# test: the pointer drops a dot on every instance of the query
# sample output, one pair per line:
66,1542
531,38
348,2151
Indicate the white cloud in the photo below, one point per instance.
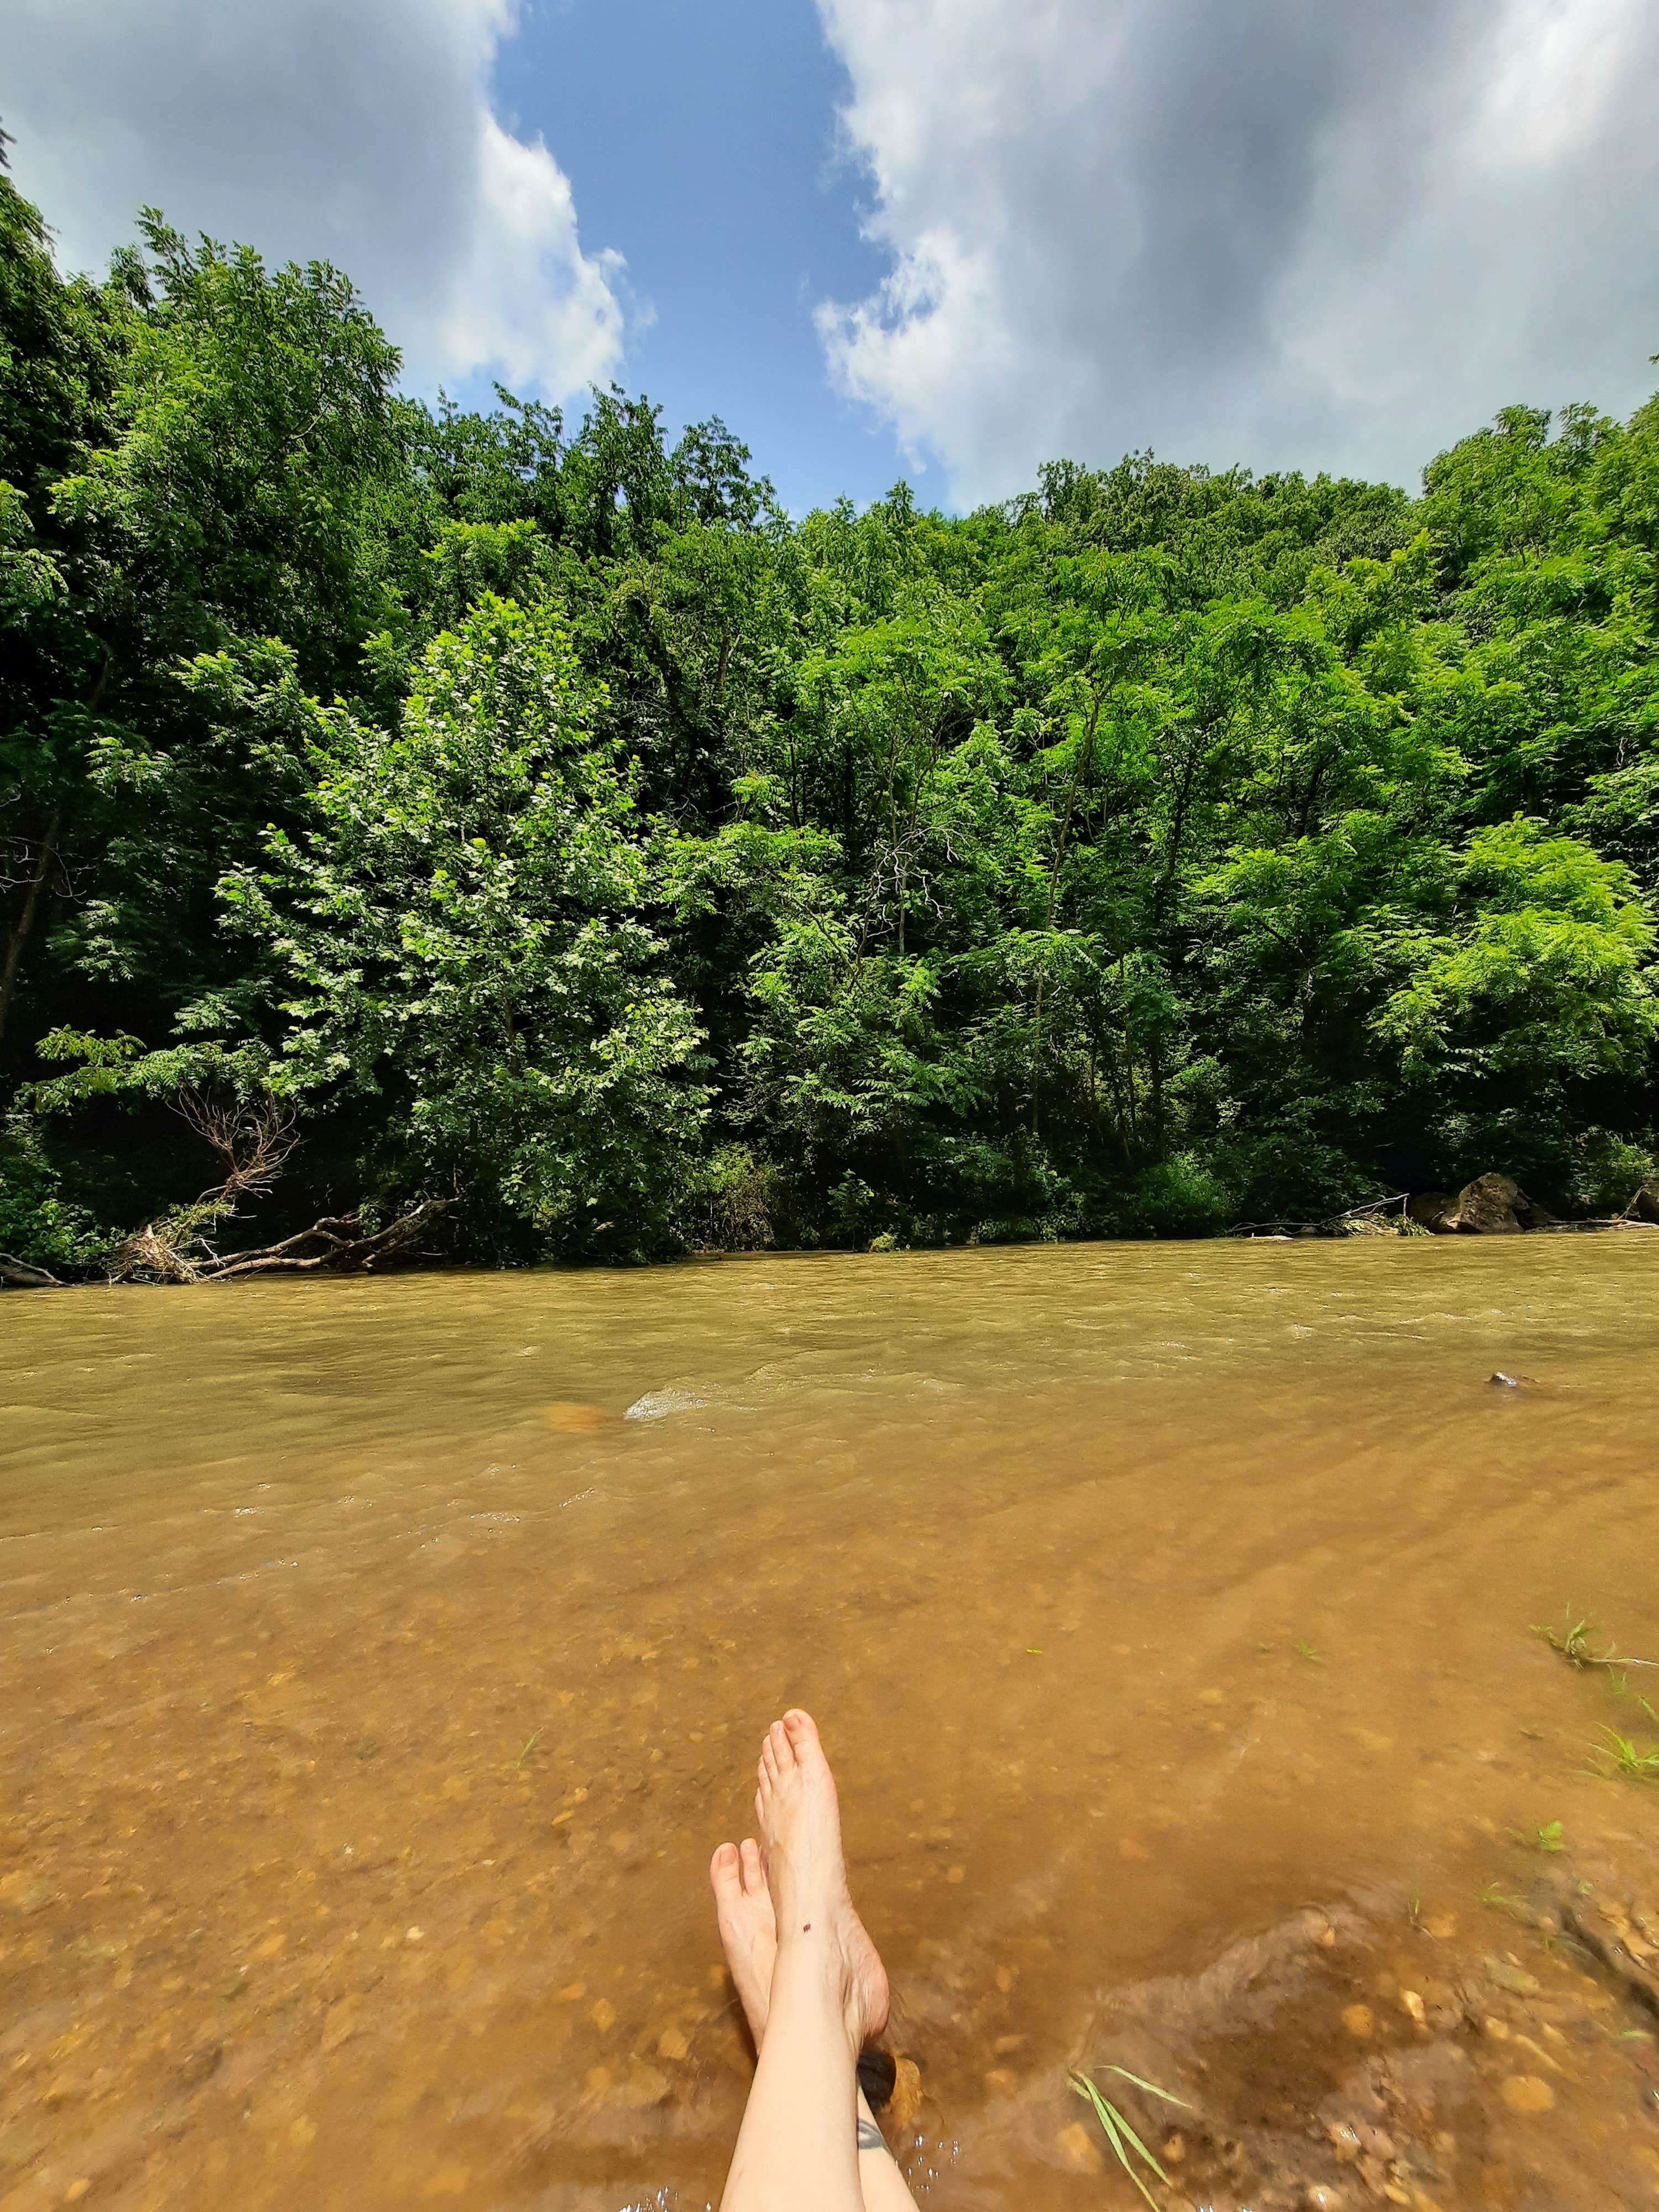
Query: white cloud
1335,236
358,131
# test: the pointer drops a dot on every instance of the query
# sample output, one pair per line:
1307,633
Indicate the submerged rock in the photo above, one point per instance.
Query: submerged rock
656,1404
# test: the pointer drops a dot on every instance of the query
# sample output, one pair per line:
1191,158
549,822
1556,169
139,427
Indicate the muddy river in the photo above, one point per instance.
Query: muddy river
381,1662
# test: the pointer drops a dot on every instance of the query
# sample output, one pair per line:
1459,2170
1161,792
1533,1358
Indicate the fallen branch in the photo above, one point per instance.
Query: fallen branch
1330,1225
340,1242
18,1276
175,1252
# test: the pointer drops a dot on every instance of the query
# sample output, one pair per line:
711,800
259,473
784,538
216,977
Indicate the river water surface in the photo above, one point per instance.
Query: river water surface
382,1660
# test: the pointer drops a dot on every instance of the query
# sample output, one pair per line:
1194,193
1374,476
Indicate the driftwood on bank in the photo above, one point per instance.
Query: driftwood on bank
339,1243
1491,1205
18,1276
1371,1219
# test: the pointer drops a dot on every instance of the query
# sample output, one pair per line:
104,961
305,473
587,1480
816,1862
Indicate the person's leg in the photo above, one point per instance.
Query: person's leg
748,1936
798,2147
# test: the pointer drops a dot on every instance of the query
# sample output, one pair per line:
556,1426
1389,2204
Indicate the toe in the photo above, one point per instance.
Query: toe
783,1750
800,1731
753,1873
726,1872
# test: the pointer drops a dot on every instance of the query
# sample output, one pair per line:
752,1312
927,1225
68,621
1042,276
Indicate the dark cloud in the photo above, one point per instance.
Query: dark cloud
1332,235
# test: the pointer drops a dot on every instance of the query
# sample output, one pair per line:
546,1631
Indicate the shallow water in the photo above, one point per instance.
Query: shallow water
382,1660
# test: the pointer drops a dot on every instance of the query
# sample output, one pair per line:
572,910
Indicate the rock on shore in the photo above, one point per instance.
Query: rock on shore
1491,1205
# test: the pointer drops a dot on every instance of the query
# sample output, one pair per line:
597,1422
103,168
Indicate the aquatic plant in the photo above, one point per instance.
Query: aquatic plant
1118,2131
1501,1900
1623,1756
1572,1641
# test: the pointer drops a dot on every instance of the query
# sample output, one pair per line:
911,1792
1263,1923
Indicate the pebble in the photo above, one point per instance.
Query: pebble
1359,2020
1078,2150
1527,2092
1320,2196
1510,1977
905,2103
645,2085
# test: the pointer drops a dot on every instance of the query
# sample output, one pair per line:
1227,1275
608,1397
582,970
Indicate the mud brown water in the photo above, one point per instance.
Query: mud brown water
372,1691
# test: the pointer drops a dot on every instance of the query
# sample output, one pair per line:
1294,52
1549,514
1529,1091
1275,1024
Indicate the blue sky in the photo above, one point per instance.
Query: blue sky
700,137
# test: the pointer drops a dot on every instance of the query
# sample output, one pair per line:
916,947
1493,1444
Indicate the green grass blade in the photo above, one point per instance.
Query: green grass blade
1110,2119
1137,2144
1150,2087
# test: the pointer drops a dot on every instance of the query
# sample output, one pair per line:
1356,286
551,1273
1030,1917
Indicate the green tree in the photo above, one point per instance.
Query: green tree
461,945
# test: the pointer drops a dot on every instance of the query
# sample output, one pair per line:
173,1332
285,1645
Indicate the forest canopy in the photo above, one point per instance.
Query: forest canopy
526,828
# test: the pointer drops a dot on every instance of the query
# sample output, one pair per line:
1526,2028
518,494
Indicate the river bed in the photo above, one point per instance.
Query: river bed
382,1660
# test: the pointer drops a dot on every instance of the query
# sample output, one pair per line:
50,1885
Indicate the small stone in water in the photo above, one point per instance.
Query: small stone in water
1515,1978
905,2102
1527,2092
1076,2146
645,2085
1359,2020
604,2015
671,2044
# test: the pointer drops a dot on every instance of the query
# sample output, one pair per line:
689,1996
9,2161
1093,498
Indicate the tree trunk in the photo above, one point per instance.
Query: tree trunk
13,965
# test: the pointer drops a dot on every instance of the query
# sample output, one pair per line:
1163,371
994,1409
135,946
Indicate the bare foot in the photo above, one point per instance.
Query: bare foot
800,1837
748,1925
